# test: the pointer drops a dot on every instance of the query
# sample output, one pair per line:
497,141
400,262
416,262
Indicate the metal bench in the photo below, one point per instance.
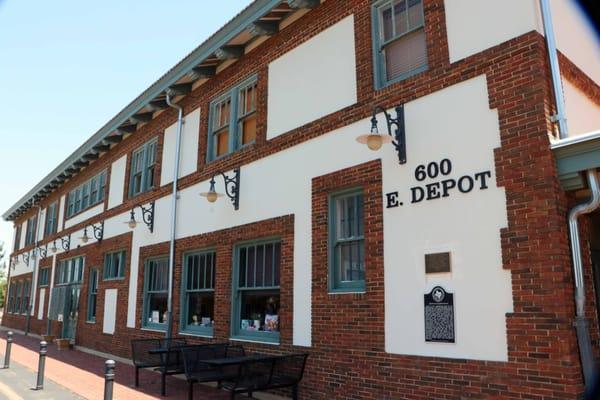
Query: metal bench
156,353
261,373
197,370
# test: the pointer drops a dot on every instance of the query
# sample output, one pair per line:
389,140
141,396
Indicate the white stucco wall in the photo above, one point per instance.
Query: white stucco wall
313,80
61,213
23,234
92,212
476,25
110,311
188,160
583,115
40,310
117,182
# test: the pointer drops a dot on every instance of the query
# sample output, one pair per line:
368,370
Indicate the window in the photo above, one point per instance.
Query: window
87,195
198,294
26,294
50,226
44,275
346,242
30,232
12,297
17,245
92,295
156,281
400,45
143,164
69,271
256,291
18,290
233,120
114,265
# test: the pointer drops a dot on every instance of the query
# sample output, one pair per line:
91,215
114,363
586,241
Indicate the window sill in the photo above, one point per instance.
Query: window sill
197,334
347,291
113,279
253,340
384,84
90,322
151,329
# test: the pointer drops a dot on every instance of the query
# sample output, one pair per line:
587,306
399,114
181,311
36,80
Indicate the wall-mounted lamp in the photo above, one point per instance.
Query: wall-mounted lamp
64,242
232,188
98,232
374,140
147,217
43,251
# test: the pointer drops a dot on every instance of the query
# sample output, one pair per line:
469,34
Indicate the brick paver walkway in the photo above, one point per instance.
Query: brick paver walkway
83,374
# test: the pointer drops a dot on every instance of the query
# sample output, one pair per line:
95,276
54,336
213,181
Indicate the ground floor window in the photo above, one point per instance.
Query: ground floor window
18,290
256,296
12,297
92,296
198,293
70,271
26,294
156,283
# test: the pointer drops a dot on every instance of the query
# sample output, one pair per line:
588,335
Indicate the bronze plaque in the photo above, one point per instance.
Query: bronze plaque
437,262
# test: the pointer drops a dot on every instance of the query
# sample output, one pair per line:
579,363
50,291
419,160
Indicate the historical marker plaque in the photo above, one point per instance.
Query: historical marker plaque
439,316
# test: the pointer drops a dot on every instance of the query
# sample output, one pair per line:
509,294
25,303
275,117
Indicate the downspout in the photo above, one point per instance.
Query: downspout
581,325
559,100
34,272
173,215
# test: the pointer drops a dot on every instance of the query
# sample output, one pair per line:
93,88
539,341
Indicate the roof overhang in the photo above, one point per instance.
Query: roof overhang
255,20
575,155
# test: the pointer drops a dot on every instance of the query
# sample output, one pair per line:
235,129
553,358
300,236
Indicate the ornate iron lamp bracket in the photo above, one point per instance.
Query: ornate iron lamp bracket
147,215
232,186
399,133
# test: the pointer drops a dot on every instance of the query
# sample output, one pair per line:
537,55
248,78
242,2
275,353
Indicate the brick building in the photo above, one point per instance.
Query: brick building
448,274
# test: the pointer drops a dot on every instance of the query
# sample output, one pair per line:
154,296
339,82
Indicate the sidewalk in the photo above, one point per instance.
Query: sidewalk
17,382
83,374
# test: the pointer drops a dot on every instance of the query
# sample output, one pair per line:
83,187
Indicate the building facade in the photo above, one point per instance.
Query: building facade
445,275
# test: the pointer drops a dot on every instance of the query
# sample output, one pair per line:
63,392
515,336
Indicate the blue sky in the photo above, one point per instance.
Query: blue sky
68,66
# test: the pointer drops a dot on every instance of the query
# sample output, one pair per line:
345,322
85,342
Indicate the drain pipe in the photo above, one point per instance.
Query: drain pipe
583,336
560,116
173,215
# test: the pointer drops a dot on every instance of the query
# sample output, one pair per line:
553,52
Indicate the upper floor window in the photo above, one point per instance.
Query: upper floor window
143,165
114,265
400,45
31,228
346,242
232,120
69,271
50,226
17,245
87,195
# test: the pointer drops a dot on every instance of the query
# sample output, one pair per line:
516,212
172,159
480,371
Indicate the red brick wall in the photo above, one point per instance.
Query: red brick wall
346,363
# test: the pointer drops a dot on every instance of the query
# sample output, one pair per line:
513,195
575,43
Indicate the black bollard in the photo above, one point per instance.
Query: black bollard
9,341
41,365
109,378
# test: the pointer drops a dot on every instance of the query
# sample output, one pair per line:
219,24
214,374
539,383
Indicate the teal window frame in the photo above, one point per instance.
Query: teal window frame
17,244
69,271
51,224
152,279
18,297
30,231
143,167
381,79
94,279
10,299
112,272
235,118
236,293
80,198
44,277
209,255
335,282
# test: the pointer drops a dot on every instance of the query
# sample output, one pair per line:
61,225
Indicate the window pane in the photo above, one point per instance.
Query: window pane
200,309
248,129
242,268
222,142
157,308
260,311
351,261
222,114
406,54
400,17
387,23
415,13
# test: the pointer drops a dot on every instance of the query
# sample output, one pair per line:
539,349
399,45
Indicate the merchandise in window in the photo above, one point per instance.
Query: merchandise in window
198,292
156,280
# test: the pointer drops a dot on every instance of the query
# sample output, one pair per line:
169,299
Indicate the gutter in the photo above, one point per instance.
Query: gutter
33,287
173,214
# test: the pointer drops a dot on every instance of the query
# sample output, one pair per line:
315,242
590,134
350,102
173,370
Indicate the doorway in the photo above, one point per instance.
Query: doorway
71,312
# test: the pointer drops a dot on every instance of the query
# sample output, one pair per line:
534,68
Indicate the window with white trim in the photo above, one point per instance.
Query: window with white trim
87,195
51,224
30,232
143,168
399,39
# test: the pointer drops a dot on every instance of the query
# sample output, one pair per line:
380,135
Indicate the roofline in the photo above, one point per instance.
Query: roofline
572,140
234,27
